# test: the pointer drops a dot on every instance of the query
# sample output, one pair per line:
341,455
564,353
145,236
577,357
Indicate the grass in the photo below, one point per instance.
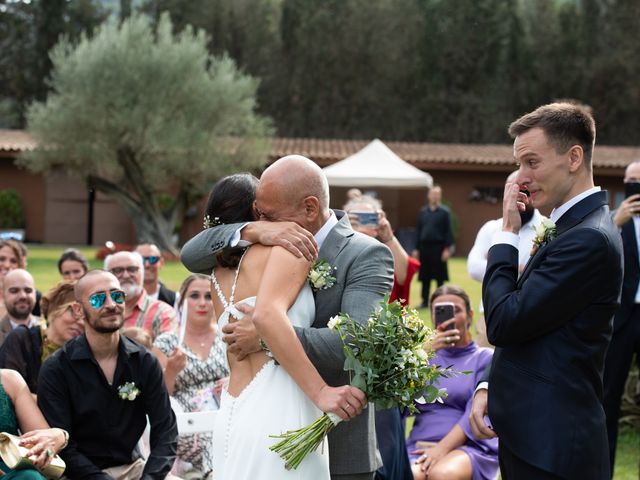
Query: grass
43,261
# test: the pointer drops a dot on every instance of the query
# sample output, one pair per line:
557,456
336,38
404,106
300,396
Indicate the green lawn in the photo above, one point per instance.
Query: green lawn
42,265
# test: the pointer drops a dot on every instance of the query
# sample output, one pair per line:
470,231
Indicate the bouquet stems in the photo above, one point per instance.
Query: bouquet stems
296,444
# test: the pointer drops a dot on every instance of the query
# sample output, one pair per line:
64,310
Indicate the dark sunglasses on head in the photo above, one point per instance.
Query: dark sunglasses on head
120,270
152,259
97,299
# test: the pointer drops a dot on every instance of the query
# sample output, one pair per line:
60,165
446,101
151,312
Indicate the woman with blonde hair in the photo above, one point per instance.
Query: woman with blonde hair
26,348
193,361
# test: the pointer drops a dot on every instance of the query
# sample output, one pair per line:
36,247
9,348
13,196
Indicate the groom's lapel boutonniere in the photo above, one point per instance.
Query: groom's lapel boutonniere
320,276
128,391
545,232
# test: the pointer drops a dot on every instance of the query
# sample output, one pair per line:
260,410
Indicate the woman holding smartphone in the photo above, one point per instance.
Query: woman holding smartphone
441,444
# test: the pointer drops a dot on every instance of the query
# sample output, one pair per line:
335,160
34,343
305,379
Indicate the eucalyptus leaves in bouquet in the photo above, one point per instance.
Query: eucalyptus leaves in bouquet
387,358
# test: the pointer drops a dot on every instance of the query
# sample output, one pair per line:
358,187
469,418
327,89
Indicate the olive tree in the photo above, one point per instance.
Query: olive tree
148,117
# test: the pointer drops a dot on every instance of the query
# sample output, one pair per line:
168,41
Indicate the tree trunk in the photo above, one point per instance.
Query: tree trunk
149,223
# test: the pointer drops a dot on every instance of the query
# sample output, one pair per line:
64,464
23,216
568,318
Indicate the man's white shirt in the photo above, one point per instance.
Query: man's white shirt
31,323
513,238
477,259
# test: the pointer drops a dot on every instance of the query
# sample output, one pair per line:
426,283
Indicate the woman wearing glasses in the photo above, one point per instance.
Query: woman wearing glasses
26,349
193,362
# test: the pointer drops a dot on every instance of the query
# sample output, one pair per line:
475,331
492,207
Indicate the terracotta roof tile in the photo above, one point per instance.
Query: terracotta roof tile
422,155
326,152
16,140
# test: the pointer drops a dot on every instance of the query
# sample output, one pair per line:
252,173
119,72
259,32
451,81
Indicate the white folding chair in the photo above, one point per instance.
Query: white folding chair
195,422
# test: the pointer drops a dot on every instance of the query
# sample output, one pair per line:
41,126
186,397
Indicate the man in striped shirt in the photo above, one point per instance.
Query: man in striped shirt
141,310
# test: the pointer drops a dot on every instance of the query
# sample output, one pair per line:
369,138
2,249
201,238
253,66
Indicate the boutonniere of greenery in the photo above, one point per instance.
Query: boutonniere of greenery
320,276
545,232
128,391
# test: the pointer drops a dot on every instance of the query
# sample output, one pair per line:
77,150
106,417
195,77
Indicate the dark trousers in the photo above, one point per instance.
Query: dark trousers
514,468
426,287
353,476
393,448
431,268
624,343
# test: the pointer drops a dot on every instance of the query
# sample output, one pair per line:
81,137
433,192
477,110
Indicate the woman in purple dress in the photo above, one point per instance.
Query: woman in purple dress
441,443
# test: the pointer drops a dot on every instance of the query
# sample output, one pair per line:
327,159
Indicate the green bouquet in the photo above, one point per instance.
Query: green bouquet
387,360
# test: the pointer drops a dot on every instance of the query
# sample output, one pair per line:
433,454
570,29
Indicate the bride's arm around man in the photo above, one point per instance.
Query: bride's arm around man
294,190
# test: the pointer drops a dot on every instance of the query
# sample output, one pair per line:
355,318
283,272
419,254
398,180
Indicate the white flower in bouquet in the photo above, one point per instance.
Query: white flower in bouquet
334,322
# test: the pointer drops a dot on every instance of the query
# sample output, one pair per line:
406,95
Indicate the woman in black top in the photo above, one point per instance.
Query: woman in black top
26,349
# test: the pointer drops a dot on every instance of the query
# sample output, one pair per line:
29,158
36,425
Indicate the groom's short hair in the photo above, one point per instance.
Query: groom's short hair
565,124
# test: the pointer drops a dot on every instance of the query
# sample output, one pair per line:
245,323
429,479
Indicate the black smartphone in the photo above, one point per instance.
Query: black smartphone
631,188
366,219
444,311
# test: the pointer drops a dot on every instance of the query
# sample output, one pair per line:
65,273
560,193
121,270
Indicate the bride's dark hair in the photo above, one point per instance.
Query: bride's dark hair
231,201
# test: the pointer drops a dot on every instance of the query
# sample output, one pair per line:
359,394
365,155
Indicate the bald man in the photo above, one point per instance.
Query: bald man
292,202
101,387
19,297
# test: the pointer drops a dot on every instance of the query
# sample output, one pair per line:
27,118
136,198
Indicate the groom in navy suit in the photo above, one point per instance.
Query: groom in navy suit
552,325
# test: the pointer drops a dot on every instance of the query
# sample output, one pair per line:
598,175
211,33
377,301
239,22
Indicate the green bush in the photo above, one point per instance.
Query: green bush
11,212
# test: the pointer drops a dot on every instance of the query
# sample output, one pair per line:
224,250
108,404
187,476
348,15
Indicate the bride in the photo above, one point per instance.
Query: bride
265,397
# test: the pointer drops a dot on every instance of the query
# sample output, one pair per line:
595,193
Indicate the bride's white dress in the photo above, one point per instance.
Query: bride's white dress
270,404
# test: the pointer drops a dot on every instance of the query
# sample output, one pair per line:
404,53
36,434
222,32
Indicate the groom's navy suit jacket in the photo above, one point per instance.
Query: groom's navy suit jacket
552,327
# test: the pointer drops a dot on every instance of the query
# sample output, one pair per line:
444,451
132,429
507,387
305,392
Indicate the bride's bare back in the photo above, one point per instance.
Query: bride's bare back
251,272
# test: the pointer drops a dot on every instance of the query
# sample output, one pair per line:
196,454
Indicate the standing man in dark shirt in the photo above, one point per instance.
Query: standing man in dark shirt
434,238
101,387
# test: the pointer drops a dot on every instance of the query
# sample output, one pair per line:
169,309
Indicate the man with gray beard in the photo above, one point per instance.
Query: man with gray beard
141,310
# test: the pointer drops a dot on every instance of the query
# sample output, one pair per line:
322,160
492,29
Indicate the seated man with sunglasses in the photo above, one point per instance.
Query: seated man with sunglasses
101,387
153,263
153,316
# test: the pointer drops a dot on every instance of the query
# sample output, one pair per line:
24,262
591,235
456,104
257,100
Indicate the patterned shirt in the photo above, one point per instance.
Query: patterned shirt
154,316
194,392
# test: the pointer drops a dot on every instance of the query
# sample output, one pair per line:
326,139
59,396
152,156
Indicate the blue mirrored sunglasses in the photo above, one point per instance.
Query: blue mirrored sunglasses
97,299
152,259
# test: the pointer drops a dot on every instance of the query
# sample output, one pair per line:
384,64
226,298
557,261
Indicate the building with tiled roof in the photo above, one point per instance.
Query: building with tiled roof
471,176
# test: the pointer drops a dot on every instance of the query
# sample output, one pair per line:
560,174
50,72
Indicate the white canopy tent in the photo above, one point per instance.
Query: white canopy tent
376,166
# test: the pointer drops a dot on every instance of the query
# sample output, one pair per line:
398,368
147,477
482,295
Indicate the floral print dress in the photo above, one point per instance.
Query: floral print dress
194,393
